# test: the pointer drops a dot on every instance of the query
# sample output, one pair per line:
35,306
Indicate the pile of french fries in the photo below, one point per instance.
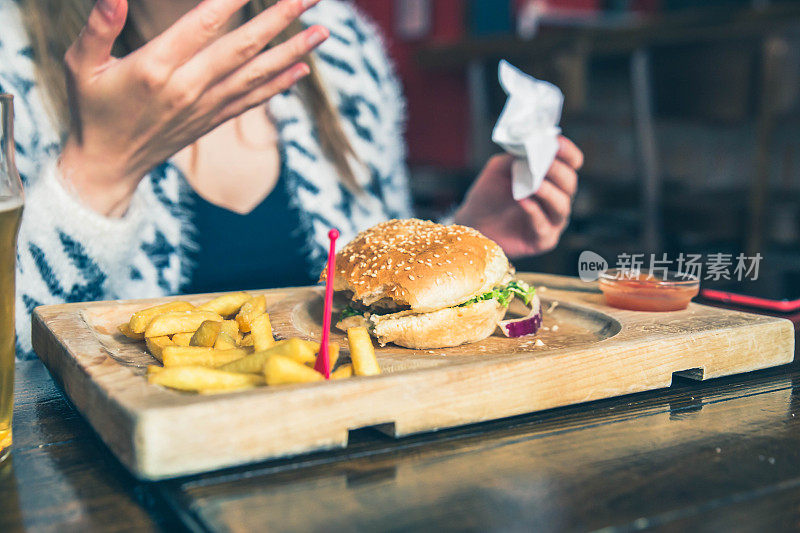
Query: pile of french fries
227,344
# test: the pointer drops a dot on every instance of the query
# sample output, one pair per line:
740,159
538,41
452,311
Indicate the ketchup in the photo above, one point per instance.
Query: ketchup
644,292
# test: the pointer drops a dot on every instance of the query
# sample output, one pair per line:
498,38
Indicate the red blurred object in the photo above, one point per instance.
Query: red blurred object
578,5
438,102
757,302
589,5
323,363
413,18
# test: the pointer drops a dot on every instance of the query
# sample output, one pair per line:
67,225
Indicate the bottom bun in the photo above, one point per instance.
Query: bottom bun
440,329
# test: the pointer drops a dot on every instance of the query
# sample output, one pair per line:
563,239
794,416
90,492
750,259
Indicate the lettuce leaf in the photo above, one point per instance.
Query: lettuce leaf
348,311
503,295
522,290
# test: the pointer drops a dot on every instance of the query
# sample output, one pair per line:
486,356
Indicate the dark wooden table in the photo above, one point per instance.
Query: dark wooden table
718,455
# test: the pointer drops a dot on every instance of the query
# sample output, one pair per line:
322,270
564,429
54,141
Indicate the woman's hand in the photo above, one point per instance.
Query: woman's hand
130,114
532,225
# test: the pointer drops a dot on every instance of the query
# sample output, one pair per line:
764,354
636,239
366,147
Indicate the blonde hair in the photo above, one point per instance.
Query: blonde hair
54,24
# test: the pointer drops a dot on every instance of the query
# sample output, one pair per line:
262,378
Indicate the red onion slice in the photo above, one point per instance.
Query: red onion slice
527,325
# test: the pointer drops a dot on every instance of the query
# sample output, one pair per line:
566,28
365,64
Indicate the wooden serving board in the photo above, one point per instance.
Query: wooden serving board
590,351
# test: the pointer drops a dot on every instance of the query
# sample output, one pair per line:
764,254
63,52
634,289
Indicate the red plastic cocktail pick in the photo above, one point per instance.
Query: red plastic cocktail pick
323,364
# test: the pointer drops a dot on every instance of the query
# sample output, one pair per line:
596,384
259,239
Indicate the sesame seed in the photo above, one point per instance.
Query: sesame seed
411,277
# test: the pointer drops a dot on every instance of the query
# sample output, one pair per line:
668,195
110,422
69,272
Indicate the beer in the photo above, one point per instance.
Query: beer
10,215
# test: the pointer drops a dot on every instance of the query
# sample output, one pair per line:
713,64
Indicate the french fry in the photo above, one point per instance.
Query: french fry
154,369
227,304
206,334
298,349
344,371
294,348
125,329
182,339
311,346
280,370
199,356
333,354
231,327
225,342
156,345
261,332
362,352
250,364
141,319
199,378
178,322
250,310
247,340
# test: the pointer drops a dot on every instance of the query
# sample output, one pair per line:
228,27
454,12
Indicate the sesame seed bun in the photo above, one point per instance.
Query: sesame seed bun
419,265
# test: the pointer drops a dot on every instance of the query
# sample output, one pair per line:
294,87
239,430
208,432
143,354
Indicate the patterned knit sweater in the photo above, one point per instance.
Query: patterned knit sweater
68,253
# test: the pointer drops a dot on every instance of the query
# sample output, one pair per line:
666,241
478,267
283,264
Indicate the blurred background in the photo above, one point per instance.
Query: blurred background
687,112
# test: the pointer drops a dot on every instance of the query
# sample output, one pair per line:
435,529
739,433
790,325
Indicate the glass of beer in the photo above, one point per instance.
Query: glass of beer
10,214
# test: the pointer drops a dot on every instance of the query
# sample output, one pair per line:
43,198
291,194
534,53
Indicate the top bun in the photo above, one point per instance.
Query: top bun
419,265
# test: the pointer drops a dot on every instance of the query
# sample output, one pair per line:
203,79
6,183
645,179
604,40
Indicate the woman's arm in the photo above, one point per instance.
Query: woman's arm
67,252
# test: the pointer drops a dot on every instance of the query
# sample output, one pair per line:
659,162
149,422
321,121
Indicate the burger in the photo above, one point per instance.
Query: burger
424,285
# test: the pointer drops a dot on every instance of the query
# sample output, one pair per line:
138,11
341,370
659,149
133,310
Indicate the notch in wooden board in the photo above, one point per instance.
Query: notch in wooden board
694,374
387,428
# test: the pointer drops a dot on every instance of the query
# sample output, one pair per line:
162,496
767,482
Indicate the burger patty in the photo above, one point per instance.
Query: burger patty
357,314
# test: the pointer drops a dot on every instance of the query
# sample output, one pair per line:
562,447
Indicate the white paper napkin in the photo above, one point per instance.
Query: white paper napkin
528,127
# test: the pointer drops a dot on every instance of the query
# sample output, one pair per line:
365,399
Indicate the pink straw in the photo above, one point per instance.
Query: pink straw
323,364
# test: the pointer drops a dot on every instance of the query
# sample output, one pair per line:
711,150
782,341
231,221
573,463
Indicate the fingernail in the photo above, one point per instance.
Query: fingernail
108,7
301,71
317,36
308,3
